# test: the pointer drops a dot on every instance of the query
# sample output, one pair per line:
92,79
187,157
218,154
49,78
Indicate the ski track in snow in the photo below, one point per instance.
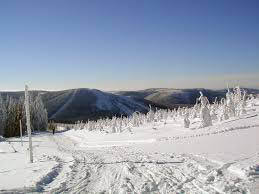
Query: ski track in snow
129,170
110,170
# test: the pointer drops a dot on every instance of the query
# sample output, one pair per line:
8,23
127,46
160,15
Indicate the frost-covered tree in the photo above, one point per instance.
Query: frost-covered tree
186,121
3,115
39,114
204,112
13,110
13,115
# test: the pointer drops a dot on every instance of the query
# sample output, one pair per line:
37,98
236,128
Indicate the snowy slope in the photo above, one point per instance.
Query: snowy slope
125,105
84,104
154,158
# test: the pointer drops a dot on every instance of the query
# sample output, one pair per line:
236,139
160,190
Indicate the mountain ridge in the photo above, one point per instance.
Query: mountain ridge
91,104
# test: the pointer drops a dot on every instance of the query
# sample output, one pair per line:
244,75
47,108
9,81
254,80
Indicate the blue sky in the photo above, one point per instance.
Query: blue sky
128,44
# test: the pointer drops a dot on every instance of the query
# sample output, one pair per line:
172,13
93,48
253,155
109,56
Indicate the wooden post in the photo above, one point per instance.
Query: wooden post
21,131
28,121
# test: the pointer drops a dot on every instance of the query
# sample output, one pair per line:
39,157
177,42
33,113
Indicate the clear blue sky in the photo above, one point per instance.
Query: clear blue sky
128,44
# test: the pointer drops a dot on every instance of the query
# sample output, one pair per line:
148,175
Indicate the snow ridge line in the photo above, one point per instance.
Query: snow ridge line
65,105
209,133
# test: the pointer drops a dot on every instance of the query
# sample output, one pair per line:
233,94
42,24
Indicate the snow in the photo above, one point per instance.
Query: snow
17,173
87,139
153,158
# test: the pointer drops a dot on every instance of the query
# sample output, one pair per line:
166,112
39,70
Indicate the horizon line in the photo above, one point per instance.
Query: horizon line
57,90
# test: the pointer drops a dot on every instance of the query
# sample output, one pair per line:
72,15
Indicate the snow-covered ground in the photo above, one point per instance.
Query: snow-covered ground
154,158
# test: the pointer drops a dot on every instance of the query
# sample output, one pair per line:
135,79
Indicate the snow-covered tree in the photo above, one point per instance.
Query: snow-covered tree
3,115
205,113
13,110
39,115
13,115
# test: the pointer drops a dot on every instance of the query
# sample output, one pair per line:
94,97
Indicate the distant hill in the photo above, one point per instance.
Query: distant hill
178,97
83,104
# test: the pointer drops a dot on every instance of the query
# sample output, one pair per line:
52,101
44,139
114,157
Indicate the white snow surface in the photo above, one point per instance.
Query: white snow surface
154,158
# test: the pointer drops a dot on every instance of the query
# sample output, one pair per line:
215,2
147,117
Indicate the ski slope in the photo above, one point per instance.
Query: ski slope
153,158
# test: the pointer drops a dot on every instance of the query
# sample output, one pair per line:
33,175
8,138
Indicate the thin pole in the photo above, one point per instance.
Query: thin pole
28,121
21,131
